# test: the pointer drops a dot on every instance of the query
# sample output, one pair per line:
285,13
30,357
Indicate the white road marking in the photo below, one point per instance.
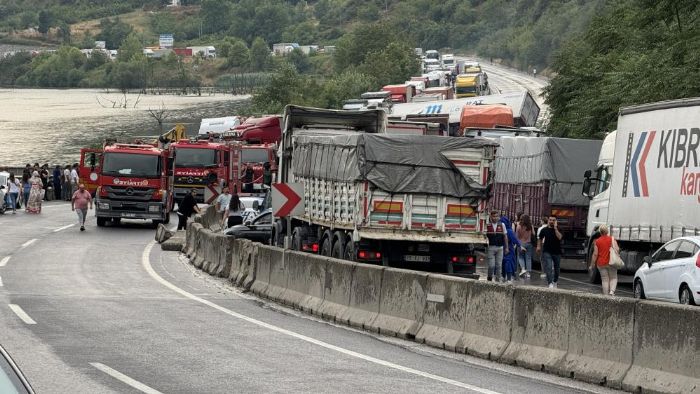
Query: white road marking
63,228
31,241
145,260
125,379
4,261
22,314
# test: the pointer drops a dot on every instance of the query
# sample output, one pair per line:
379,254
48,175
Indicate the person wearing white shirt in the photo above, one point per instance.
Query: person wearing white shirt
222,201
13,188
74,179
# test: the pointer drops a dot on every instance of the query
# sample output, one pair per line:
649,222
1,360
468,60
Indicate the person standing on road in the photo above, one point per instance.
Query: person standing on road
13,187
186,208
524,232
601,259
65,184
79,203
234,211
549,243
57,187
497,237
26,189
74,179
509,258
222,203
36,193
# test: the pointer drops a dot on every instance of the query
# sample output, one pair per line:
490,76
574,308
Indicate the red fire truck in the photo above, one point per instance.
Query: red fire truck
208,166
134,183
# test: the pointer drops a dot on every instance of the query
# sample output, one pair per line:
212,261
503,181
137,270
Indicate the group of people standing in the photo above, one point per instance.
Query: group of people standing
513,246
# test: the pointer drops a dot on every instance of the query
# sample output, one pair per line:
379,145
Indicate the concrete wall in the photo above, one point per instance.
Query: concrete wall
620,343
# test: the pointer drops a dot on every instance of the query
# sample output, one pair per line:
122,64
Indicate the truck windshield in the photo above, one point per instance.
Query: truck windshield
254,156
466,89
132,164
195,157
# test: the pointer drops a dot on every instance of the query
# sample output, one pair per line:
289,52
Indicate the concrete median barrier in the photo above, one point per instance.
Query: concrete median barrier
305,281
540,328
337,290
191,238
365,293
666,349
243,258
202,240
601,331
487,324
279,278
269,279
445,312
402,303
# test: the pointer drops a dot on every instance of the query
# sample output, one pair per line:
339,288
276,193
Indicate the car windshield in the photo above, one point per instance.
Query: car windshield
254,156
132,164
195,157
9,381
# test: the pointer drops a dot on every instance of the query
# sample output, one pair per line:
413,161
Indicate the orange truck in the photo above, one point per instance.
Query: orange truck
486,116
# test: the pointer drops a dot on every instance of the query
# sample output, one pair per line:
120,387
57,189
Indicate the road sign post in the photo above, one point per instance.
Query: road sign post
287,201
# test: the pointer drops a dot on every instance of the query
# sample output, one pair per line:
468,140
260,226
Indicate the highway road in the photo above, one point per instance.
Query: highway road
105,311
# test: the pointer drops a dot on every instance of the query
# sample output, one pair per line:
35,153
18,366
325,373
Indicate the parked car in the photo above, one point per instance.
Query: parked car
672,273
253,206
12,380
259,229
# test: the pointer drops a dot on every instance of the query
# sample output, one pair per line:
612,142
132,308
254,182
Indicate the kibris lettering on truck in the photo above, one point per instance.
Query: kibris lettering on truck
677,149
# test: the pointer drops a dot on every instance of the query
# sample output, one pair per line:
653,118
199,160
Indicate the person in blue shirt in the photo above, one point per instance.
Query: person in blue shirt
57,175
510,260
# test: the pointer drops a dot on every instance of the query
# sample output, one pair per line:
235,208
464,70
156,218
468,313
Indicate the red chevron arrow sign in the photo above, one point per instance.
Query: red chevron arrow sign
287,199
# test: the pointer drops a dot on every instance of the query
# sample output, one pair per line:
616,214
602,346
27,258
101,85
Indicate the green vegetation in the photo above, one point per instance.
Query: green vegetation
635,51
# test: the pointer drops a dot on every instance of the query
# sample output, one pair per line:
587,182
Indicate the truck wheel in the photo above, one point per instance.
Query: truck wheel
101,221
298,236
339,241
278,235
326,247
350,253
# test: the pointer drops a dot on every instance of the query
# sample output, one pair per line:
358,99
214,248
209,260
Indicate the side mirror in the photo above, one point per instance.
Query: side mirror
586,191
647,260
587,174
92,160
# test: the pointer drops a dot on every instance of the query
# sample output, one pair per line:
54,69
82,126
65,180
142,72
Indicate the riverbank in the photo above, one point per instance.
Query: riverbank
51,125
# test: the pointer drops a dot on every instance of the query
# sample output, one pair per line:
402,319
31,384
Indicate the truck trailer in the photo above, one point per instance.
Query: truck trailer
408,200
646,184
540,176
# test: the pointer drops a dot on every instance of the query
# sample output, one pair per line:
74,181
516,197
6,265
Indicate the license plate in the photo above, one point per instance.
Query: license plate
416,259
128,215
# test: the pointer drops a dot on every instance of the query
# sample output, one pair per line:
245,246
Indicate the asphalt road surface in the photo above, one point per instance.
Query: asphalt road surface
105,311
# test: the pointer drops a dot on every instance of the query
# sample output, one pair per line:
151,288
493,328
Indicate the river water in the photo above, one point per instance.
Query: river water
51,125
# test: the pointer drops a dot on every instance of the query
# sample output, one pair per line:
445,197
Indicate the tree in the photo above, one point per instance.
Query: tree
114,32
45,21
284,87
216,15
131,49
259,55
350,84
239,54
299,60
64,33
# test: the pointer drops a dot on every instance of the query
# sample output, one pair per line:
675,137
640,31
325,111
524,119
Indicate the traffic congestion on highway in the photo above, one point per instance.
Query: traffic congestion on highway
450,179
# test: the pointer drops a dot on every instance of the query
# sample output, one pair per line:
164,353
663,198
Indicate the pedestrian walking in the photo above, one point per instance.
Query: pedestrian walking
65,184
601,260
13,188
57,186
80,202
222,203
549,244
44,175
497,237
234,211
186,208
27,171
509,257
36,194
26,189
524,231
74,179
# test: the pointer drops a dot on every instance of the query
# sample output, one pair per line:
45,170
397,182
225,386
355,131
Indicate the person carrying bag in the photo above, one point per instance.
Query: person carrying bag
606,257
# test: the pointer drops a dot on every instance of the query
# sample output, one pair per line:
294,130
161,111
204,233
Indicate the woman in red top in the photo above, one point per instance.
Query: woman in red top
601,258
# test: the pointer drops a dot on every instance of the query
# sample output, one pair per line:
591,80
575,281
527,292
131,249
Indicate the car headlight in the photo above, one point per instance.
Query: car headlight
154,208
102,205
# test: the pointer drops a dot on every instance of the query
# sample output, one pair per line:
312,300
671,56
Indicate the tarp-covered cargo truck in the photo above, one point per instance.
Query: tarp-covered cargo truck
540,176
646,184
485,116
415,201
